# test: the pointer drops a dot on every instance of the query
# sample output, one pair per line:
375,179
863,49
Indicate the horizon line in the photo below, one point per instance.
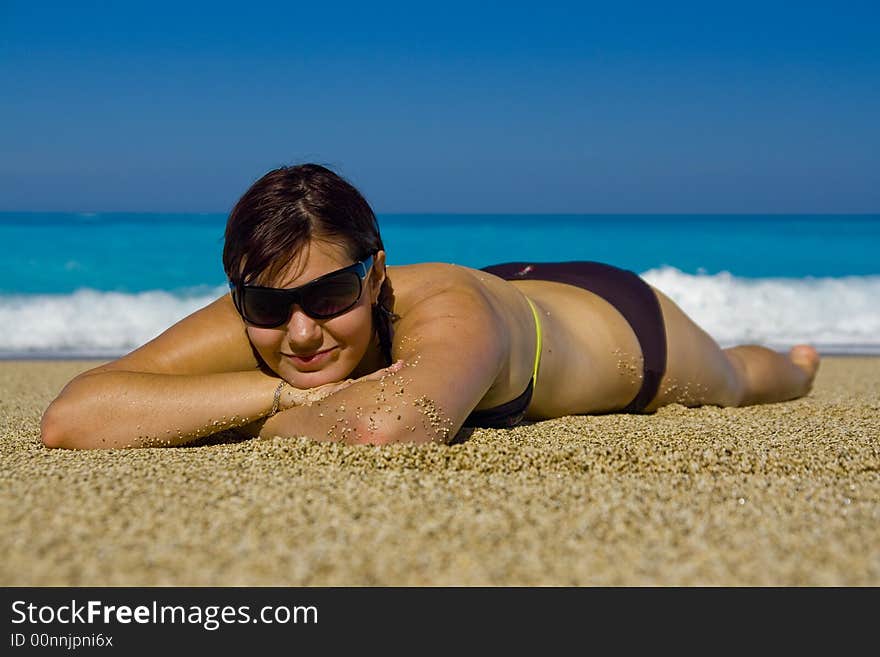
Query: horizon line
87,213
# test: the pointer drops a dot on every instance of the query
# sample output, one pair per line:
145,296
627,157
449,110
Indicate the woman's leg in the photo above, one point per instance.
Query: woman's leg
771,376
699,372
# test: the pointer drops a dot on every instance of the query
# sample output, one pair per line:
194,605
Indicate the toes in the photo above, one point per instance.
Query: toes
806,357
804,352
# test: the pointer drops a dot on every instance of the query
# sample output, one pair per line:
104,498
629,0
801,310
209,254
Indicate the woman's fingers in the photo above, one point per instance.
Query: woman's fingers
379,374
319,393
299,397
303,397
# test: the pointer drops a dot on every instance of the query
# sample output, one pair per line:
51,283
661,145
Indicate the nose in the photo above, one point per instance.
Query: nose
303,332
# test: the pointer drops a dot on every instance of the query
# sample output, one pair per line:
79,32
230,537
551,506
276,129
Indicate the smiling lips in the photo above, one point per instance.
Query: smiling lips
316,357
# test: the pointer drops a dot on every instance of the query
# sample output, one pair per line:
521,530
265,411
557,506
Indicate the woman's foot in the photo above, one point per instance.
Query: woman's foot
806,358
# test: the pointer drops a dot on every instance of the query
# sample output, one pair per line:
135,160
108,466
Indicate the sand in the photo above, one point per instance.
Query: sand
782,494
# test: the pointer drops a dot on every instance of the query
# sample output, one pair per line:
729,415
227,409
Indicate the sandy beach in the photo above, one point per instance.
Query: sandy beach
783,494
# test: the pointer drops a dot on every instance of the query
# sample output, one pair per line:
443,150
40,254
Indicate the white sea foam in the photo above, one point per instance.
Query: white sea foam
838,315
92,323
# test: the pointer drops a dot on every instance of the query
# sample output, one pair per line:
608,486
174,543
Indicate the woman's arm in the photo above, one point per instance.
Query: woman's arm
198,377
140,409
185,384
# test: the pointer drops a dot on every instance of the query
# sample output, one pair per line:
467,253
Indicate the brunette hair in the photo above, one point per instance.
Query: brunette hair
285,209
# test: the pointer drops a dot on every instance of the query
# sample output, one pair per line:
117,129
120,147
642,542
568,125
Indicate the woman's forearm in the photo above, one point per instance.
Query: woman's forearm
134,409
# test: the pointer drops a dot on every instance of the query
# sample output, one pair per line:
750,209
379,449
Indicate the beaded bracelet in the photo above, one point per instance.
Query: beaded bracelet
277,399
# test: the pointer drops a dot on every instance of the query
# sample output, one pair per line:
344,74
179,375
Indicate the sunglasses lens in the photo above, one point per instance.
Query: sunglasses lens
323,299
332,296
265,307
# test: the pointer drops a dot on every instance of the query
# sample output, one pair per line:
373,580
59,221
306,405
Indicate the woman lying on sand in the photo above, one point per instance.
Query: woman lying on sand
314,341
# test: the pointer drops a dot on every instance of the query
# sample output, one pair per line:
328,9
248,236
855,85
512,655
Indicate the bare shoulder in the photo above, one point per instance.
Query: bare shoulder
414,282
451,333
443,307
210,340
414,285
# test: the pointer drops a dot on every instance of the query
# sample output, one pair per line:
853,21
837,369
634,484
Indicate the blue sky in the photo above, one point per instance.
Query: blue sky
444,107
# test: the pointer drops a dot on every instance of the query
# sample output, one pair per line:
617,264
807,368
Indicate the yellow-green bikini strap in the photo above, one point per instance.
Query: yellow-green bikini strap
540,341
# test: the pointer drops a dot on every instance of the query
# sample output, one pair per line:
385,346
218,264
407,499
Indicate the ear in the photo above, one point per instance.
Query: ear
377,276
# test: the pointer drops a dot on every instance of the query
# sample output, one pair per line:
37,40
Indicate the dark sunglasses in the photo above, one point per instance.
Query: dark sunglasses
325,297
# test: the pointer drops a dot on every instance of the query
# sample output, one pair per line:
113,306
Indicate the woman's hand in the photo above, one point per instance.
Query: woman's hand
291,396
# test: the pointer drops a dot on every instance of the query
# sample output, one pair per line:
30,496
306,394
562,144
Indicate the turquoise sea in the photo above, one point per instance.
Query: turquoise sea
100,285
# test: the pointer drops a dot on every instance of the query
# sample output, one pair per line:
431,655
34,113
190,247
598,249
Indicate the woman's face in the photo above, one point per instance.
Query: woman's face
308,352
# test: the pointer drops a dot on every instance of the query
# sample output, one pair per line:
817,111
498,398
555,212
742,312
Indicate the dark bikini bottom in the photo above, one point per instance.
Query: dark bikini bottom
624,290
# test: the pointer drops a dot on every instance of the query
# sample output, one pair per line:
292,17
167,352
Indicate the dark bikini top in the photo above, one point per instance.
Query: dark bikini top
505,416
